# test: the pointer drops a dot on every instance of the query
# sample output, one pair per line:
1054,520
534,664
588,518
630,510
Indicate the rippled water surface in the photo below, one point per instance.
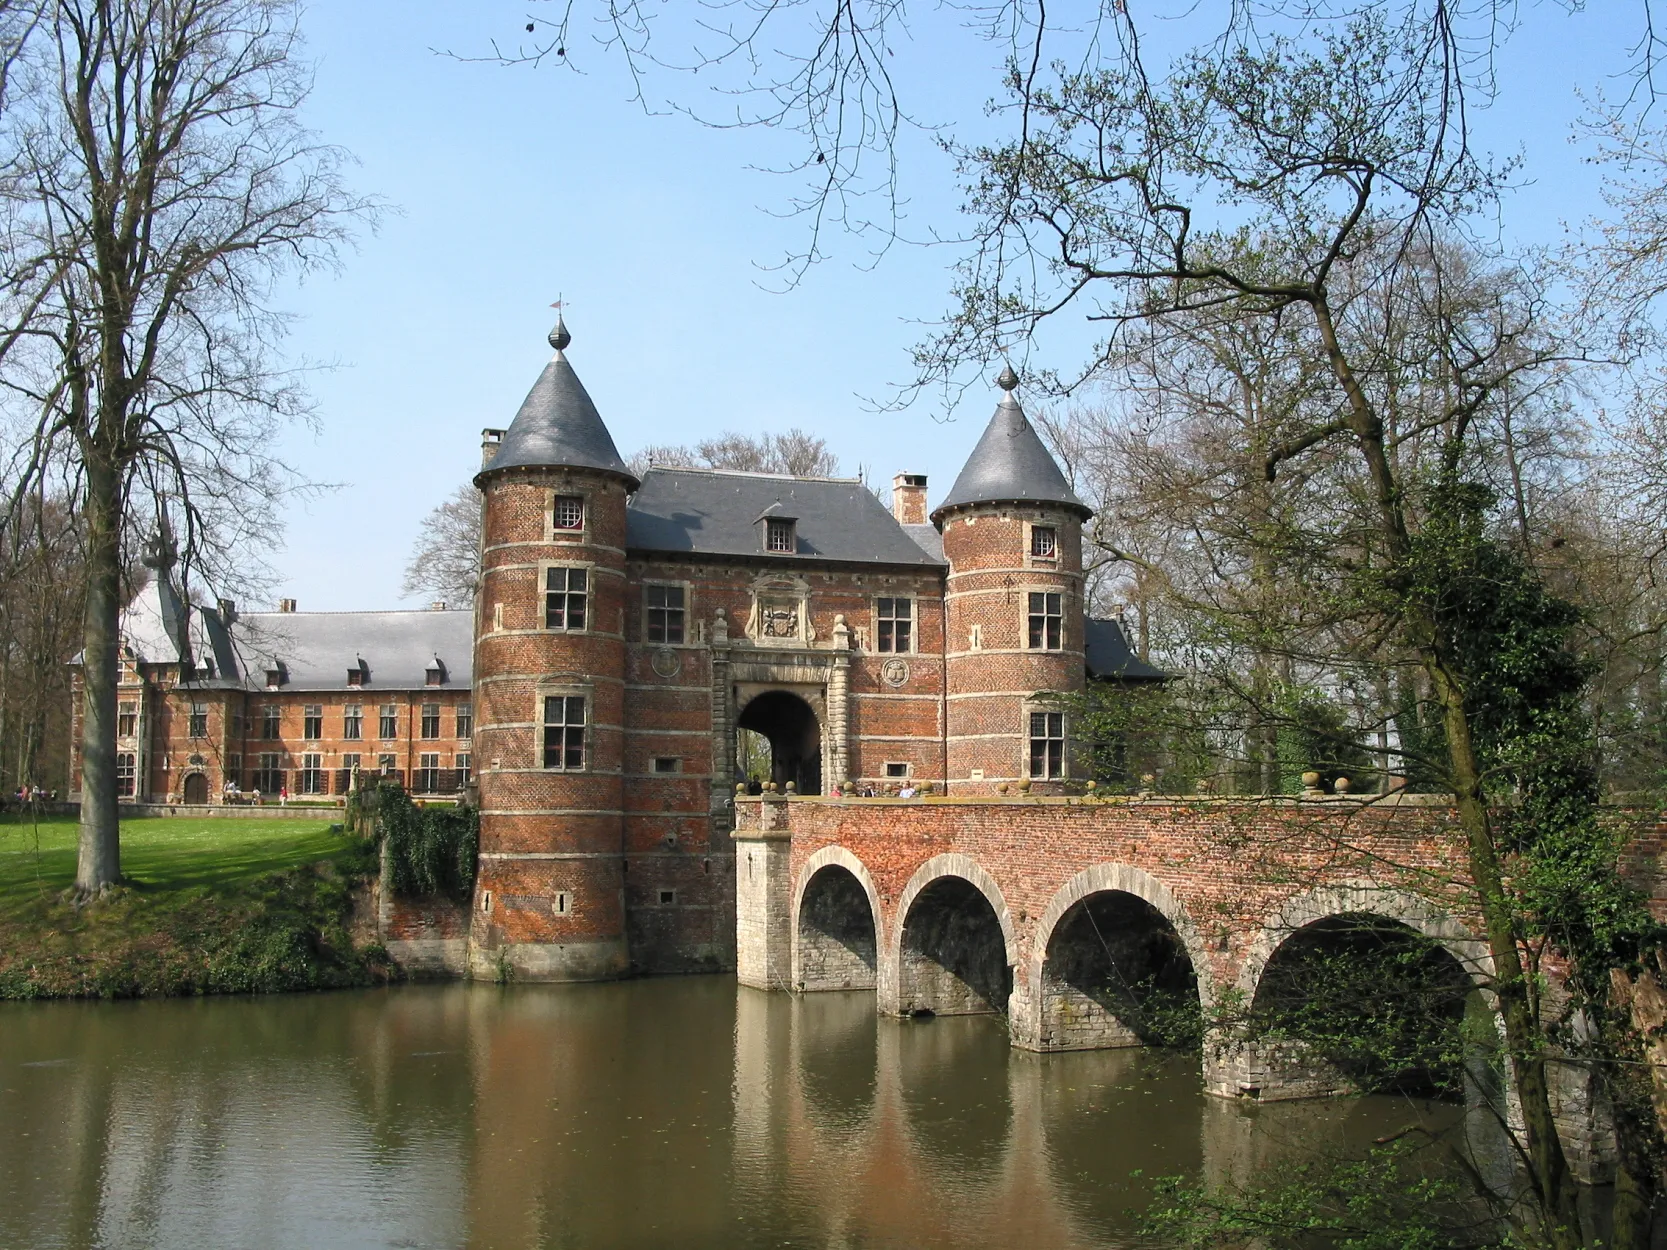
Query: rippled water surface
680,1113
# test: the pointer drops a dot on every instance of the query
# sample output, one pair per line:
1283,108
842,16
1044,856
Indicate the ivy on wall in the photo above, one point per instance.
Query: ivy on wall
430,850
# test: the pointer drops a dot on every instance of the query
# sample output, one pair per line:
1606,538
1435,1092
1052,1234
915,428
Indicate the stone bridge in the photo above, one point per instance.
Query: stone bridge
1043,907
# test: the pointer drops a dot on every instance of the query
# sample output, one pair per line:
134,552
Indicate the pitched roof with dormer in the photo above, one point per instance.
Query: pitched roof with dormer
720,511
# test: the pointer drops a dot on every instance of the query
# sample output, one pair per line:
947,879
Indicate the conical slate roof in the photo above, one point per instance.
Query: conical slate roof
1010,464
558,423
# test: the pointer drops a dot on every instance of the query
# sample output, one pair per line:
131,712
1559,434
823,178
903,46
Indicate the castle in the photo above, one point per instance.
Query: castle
623,632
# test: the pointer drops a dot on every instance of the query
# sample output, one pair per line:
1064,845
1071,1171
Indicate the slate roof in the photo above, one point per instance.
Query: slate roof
156,626
1010,464
315,648
929,540
716,512
558,423
1109,654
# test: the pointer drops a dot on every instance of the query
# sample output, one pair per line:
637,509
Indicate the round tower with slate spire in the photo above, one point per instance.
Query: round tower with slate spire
549,690
1012,536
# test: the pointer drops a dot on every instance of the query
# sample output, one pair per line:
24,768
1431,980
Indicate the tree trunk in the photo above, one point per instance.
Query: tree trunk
98,864
1557,1193
1555,1190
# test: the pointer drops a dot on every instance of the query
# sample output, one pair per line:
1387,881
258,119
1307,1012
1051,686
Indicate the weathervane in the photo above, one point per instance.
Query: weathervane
559,337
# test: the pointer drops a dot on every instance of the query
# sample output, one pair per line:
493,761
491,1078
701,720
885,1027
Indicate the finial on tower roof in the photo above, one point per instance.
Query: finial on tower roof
1008,379
559,337
160,551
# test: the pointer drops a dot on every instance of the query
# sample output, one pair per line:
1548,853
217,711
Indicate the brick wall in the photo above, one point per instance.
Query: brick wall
168,754
993,672
549,896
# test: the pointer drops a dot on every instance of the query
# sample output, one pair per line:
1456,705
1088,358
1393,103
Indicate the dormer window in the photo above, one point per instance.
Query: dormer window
435,674
275,674
359,674
778,535
569,512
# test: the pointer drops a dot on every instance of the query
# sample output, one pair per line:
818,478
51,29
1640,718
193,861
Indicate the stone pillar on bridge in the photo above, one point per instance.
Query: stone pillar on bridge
763,893
1270,1071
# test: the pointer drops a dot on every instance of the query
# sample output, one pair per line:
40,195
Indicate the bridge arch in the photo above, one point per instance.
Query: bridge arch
1364,898
836,923
952,949
1111,938
1358,987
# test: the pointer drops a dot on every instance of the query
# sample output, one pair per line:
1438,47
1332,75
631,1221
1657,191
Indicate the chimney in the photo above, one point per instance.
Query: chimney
286,605
438,605
489,440
228,610
908,498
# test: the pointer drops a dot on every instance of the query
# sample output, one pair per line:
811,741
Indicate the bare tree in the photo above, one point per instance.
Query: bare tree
445,562
42,594
162,182
794,452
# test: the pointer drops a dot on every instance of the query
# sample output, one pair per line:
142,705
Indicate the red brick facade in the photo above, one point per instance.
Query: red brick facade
186,742
633,843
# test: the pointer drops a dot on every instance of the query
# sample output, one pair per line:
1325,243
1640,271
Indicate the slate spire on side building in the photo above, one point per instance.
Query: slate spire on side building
1010,464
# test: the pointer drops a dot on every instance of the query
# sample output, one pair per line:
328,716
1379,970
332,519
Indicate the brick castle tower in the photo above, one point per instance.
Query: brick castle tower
550,688
1012,537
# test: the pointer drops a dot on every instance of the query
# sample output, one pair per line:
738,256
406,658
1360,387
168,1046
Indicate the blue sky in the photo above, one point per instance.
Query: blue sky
514,185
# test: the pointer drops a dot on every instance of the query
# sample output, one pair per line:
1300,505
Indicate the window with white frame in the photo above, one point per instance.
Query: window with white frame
388,726
353,721
127,774
778,536
199,720
894,623
664,607
566,596
428,773
127,719
1047,620
1044,542
312,721
431,721
564,731
1047,744
465,721
464,768
568,512
312,774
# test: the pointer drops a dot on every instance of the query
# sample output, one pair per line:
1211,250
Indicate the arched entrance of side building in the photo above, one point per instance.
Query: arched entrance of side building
196,788
789,725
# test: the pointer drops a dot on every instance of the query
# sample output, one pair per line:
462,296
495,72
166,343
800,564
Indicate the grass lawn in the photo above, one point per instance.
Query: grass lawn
207,906
161,853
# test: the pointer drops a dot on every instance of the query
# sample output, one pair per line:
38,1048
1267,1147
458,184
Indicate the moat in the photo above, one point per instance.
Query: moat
684,1112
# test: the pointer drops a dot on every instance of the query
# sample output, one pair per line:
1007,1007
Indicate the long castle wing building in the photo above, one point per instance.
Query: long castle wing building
624,634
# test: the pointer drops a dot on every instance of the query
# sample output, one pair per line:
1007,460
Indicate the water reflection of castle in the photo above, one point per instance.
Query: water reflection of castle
686,1113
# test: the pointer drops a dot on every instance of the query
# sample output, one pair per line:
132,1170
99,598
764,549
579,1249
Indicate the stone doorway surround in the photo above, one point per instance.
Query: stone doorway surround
817,672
